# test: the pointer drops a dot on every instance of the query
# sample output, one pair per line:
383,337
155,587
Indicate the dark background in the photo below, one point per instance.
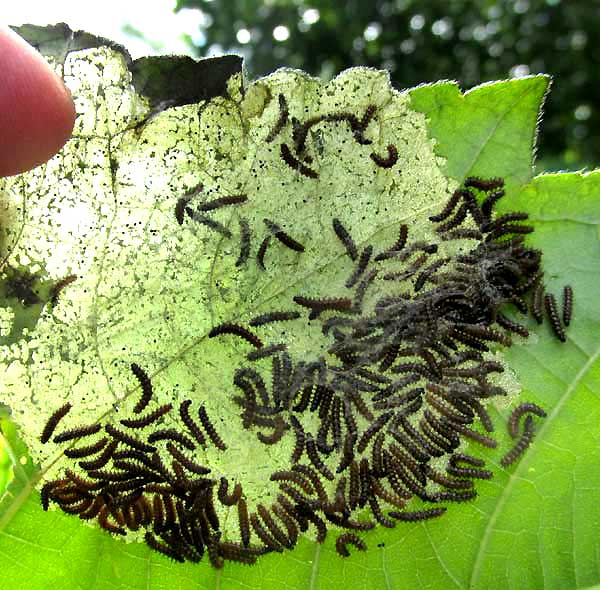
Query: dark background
425,41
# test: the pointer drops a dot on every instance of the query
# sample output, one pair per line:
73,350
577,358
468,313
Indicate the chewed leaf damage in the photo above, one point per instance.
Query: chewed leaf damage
312,310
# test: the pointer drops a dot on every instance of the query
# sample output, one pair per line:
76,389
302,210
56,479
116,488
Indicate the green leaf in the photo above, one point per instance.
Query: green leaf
149,290
489,128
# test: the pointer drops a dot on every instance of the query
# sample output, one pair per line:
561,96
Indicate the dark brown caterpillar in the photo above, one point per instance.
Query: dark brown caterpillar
349,538
59,286
228,328
266,351
448,207
342,233
508,324
108,526
361,266
185,461
222,202
277,533
521,445
79,452
53,421
386,162
296,164
208,222
192,427
281,121
245,235
264,536
148,418
518,412
174,435
567,304
210,429
77,432
167,550
484,185
180,208
551,309
244,523
283,237
536,305
262,250
273,316
229,499
313,455
102,459
146,384
418,514
129,440
300,439
397,246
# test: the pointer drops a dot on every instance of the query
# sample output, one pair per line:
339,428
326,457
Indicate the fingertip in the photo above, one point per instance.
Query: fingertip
37,112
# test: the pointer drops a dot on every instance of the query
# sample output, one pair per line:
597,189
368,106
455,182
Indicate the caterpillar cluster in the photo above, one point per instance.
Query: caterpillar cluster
296,156
377,420
123,481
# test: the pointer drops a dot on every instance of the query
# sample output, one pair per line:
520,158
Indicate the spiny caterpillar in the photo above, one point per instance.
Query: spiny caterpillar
376,420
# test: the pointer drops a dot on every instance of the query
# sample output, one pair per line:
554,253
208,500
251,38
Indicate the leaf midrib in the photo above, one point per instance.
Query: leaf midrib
517,474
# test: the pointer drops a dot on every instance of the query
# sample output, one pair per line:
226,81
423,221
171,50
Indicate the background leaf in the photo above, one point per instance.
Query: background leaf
532,526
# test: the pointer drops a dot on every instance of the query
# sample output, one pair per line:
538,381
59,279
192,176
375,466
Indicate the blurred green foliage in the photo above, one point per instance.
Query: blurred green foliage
471,42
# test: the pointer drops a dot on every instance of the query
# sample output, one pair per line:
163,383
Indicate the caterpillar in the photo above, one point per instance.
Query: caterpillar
102,459
129,440
193,428
313,455
281,121
567,309
294,163
413,516
386,162
210,429
448,207
273,316
483,185
229,499
190,465
53,421
208,222
59,286
518,412
319,305
148,419
277,533
264,536
174,435
245,236
78,453
349,539
244,523
77,432
363,262
521,445
283,237
343,235
146,385
550,302
262,250
228,328
222,201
